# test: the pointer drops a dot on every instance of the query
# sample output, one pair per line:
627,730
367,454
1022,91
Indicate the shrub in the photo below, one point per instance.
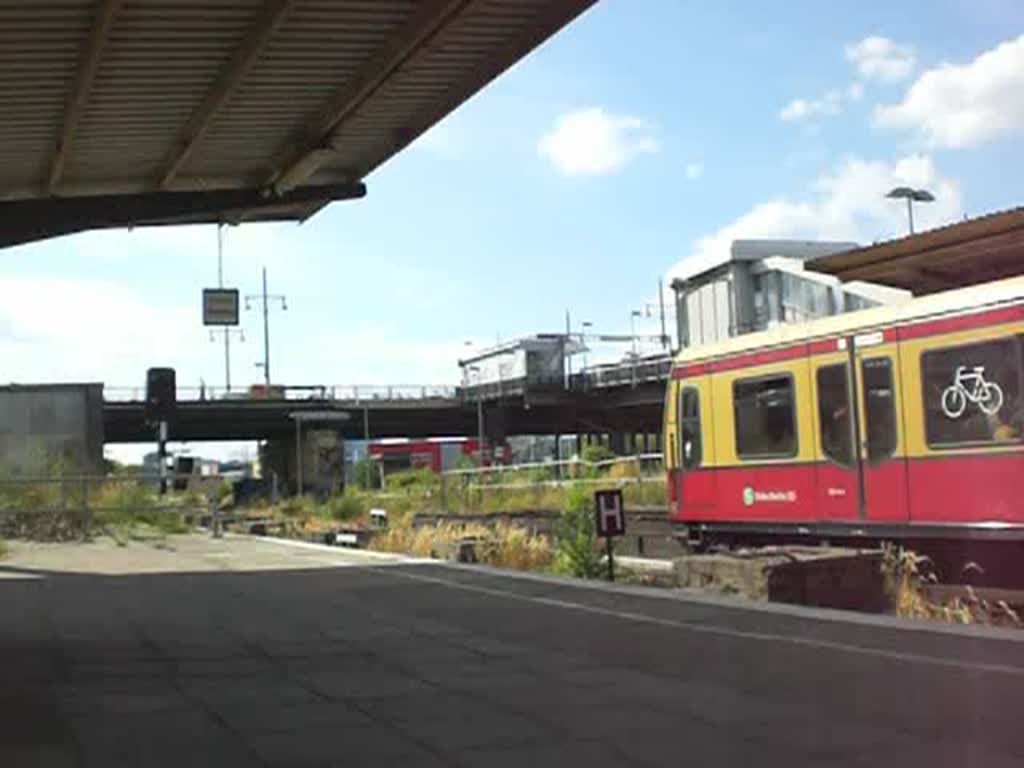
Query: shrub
365,475
345,507
411,479
576,552
596,452
300,507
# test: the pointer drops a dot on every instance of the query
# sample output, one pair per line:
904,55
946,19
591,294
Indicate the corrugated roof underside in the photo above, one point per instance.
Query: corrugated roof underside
317,50
376,130
39,47
161,58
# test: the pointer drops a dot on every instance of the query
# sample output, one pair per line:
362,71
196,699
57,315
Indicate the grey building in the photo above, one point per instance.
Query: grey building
762,283
45,427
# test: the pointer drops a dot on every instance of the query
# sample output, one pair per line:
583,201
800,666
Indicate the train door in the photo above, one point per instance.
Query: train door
839,473
694,481
862,472
882,455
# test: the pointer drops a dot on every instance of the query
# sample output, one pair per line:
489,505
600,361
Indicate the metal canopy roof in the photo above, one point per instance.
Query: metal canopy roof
117,112
967,253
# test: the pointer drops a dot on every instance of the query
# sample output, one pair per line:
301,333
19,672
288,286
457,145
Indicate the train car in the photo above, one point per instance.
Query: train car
901,422
436,454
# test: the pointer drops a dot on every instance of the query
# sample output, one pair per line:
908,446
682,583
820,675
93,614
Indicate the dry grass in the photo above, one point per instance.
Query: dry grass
504,544
907,573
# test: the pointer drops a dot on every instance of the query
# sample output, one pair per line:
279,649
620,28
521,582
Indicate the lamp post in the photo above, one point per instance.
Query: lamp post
584,327
911,196
265,298
632,322
227,329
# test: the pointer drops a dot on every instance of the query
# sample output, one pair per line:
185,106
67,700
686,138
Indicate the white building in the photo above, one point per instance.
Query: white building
762,283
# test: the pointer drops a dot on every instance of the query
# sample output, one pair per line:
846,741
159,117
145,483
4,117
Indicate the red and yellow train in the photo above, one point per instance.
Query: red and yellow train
892,423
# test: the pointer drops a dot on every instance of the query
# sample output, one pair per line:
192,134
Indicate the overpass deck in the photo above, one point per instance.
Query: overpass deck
243,652
615,399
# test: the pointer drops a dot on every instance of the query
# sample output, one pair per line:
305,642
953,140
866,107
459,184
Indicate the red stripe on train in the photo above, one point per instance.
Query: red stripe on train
961,322
914,330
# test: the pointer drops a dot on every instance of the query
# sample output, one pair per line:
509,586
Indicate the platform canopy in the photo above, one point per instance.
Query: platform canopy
131,112
966,253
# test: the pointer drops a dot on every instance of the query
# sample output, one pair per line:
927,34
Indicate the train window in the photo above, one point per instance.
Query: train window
879,407
765,417
689,428
973,393
834,413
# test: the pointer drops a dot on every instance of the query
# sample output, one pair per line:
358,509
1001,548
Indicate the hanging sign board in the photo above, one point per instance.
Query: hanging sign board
220,306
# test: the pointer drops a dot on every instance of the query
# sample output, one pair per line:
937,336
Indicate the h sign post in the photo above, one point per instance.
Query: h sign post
611,521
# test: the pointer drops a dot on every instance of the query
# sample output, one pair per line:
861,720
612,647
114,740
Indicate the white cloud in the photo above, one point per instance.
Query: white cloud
592,141
881,58
848,203
694,170
961,105
829,105
855,91
61,329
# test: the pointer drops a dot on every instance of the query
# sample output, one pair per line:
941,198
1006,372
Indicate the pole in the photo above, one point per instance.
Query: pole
266,333
161,452
366,440
910,213
227,330
480,422
565,351
611,560
632,322
661,302
298,456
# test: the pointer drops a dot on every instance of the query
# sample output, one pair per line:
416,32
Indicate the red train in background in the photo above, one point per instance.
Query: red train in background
437,454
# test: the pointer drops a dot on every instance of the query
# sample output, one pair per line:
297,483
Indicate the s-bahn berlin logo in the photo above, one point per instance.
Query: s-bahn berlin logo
751,496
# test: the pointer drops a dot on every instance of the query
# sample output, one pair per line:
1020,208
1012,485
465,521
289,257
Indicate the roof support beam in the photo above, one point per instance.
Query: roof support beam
28,220
88,64
263,27
300,159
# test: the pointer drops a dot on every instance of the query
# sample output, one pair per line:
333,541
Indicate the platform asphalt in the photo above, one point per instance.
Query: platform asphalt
247,652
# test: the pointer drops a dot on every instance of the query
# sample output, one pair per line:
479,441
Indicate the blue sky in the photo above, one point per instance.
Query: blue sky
644,134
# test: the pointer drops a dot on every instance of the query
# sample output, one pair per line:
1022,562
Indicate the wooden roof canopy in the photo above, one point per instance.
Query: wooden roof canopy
966,253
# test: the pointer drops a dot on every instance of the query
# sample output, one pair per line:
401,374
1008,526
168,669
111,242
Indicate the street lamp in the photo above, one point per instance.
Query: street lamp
912,196
632,322
583,340
265,298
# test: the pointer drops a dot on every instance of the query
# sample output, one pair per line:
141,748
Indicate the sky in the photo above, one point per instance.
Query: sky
642,135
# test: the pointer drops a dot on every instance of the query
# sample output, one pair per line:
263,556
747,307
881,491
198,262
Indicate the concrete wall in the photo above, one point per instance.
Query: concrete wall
41,424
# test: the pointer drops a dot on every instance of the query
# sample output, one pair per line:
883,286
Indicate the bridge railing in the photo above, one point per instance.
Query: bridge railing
346,392
541,485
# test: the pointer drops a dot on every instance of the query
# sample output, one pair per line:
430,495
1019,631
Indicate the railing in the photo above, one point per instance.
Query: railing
641,476
358,393
643,370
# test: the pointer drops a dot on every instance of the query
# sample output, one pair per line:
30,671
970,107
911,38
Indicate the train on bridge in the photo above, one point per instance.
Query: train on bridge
899,423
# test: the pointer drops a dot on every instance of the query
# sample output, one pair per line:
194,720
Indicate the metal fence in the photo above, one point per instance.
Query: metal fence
358,393
498,487
77,507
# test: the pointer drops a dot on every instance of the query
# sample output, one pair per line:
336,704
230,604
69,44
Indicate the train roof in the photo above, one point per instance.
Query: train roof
957,301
